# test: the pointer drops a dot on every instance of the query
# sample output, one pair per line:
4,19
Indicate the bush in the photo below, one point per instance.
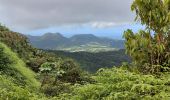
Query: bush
4,61
119,84
56,89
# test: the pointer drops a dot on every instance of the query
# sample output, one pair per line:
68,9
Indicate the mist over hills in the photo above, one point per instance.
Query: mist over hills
79,42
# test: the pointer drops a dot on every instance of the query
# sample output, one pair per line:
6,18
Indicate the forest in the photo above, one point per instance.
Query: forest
28,73
92,62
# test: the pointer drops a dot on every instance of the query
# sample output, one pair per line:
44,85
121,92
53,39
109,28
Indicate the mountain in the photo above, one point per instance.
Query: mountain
48,41
80,42
81,39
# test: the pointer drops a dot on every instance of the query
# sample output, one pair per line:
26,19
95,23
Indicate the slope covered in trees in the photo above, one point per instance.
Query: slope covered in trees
20,45
92,62
147,78
16,80
54,75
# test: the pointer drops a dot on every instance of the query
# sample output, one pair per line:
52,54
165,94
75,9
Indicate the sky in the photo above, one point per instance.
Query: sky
107,18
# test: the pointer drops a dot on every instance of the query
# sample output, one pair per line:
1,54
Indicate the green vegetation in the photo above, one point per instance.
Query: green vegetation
91,47
92,62
55,78
19,44
16,80
19,66
121,84
150,53
19,82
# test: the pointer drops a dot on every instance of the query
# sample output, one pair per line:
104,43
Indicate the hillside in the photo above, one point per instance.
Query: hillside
81,42
109,84
93,61
19,44
114,83
28,73
16,80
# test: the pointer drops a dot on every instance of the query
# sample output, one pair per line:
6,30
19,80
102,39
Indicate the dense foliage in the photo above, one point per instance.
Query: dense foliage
121,84
62,79
16,68
13,66
16,81
94,61
150,53
58,77
20,45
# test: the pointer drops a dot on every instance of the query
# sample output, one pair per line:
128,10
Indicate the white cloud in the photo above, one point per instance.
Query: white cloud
37,14
102,24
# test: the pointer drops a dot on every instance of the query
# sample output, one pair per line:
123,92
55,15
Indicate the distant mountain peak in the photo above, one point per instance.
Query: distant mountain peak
58,41
84,37
52,36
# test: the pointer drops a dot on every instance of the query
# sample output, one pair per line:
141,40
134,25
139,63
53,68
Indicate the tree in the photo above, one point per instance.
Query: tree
46,70
68,71
3,28
149,52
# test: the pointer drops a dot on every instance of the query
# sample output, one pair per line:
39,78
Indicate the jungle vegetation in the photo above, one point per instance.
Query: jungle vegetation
27,73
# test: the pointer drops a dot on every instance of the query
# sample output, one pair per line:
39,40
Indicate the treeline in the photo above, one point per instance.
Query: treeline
94,61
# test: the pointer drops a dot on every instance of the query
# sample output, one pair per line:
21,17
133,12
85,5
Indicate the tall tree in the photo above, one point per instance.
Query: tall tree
145,49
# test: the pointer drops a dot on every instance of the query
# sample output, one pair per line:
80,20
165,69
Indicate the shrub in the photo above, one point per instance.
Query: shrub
120,84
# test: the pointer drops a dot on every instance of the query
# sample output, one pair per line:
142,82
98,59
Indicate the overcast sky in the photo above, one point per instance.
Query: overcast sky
31,15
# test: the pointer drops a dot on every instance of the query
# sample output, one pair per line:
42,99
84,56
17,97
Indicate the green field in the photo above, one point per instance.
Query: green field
92,47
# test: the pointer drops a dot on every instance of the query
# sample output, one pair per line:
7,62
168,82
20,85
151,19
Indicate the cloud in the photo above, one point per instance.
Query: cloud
37,14
102,24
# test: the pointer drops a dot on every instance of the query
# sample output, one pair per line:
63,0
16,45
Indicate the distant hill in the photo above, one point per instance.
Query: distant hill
82,39
80,42
48,41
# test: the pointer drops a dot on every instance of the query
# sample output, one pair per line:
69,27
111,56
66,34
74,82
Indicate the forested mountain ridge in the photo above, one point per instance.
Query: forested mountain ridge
55,41
92,62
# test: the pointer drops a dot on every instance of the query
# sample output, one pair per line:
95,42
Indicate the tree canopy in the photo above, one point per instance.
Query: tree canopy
147,50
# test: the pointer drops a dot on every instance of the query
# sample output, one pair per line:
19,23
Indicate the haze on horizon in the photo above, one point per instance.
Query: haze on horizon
99,17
